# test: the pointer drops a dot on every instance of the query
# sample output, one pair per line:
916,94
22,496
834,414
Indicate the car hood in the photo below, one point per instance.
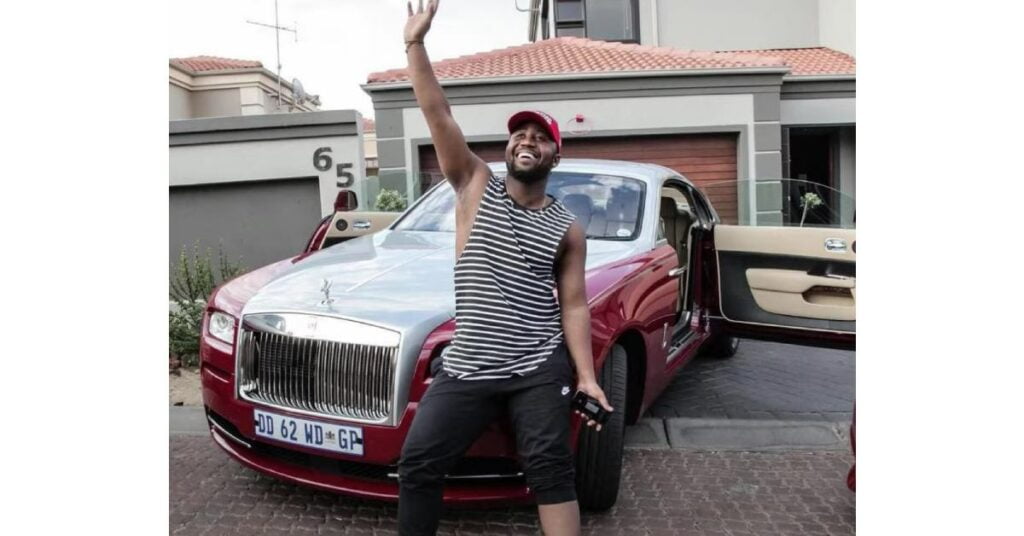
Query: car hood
392,279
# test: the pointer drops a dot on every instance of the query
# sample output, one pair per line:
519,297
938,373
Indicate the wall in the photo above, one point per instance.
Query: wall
262,160
819,111
181,103
250,181
222,150
838,25
261,222
734,24
215,103
647,11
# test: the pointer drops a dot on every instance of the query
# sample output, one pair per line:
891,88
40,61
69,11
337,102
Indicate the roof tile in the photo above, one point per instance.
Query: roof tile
198,64
566,55
813,61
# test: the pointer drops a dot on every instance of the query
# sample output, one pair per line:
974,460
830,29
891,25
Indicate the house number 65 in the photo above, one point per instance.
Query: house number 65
322,162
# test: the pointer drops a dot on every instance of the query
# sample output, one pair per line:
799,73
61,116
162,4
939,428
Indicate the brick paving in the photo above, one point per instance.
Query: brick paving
764,381
664,492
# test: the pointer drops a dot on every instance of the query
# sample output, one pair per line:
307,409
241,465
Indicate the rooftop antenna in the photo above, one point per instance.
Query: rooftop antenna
277,36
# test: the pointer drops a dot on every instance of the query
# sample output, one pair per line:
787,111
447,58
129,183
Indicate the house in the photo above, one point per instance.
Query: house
742,110
209,86
247,175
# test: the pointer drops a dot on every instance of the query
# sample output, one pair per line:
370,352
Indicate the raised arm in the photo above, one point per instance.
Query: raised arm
458,163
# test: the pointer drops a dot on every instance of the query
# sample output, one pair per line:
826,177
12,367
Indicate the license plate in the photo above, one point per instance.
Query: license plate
318,435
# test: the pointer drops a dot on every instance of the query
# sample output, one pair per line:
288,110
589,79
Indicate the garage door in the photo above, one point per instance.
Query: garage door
702,158
259,222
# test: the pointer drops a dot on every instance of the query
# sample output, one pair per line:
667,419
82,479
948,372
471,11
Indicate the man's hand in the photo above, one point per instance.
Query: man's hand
594,390
418,25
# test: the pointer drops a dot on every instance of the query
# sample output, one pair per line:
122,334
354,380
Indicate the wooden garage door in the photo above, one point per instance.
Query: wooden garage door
703,158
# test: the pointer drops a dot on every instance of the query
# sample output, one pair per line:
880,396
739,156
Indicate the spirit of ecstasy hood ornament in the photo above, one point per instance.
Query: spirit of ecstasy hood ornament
326,289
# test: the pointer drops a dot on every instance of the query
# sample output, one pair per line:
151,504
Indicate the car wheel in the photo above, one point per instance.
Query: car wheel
722,347
599,456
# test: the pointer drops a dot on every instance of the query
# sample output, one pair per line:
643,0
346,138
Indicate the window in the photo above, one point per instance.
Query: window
569,11
612,20
605,20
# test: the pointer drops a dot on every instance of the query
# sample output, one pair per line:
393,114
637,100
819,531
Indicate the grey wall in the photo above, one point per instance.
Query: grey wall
838,25
216,103
735,24
261,222
181,103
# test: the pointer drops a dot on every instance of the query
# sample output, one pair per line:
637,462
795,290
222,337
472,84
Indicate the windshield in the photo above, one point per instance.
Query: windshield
607,206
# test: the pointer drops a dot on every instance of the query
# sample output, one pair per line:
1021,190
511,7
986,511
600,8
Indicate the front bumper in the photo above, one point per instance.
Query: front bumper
488,474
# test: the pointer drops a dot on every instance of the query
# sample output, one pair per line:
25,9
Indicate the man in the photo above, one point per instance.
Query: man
513,340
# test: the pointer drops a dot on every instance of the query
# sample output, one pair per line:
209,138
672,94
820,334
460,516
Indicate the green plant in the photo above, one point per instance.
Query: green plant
390,201
192,281
808,201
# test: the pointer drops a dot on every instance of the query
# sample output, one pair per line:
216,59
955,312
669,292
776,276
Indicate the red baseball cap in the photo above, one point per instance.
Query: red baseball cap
541,118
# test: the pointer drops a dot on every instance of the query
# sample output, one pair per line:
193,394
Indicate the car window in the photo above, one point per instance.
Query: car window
780,203
608,206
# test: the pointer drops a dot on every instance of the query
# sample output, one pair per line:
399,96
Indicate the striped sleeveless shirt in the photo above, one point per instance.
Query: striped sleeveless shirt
507,319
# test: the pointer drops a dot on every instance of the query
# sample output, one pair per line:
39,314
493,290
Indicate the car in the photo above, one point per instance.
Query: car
312,367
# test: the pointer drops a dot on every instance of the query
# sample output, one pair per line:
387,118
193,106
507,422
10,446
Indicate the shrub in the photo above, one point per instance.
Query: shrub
192,281
808,201
390,201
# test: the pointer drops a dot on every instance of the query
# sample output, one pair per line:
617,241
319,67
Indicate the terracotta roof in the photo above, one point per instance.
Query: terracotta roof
199,64
565,55
369,125
812,61
578,55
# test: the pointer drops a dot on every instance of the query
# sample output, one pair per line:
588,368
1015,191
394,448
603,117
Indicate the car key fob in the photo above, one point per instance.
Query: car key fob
590,407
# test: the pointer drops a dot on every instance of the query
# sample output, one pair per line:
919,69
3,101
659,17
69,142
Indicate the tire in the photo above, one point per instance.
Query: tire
599,456
721,347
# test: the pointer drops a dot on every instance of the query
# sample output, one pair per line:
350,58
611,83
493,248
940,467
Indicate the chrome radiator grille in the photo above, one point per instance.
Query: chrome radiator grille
317,376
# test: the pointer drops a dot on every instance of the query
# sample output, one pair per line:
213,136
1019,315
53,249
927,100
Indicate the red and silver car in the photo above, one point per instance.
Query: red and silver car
312,367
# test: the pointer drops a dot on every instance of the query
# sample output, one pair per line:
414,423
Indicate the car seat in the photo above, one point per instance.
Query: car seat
677,223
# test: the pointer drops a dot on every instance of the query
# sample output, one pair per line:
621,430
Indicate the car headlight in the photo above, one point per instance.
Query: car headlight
222,326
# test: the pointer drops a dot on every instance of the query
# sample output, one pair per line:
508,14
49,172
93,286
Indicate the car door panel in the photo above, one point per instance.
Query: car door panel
803,278
797,293
348,225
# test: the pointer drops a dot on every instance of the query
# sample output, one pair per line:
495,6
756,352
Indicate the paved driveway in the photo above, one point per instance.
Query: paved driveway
664,492
764,380
725,483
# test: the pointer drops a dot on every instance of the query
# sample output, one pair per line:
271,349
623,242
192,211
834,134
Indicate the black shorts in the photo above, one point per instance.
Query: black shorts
453,413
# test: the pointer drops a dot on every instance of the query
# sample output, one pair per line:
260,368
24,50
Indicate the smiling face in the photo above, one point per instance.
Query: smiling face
531,154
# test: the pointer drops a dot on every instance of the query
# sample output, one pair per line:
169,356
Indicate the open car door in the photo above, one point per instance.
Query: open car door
786,267
347,222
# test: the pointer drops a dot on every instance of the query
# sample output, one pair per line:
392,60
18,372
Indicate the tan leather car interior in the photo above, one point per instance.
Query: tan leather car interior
677,225
794,292
358,224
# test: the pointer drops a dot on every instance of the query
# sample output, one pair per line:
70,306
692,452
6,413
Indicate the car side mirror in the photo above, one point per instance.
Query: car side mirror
346,201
